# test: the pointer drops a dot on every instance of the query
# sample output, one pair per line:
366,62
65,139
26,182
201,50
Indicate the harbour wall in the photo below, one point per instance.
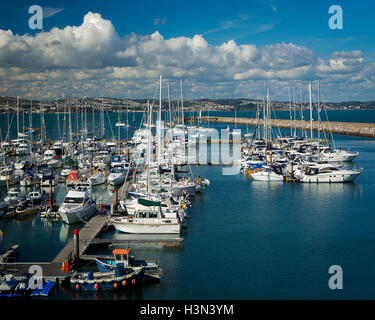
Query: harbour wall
346,128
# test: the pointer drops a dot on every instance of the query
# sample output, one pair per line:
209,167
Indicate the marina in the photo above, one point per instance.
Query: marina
165,204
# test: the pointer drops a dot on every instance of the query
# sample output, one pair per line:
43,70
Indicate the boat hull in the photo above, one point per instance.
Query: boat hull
106,282
329,178
140,228
76,216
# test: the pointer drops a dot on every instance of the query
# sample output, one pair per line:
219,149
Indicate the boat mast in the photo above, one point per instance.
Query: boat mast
257,120
295,111
182,105
169,104
118,126
93,121
42,127
159,123
264,120
102,119
58,120
311,119
18,117
31,131
290,112
318,116
302,126
70,125
8,119
64,125
149,137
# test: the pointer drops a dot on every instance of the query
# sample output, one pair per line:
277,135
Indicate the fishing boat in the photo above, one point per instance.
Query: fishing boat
152,270
78,206
148,218
122,277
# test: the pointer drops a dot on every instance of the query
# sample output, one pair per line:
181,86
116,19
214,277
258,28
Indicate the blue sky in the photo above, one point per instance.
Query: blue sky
260,23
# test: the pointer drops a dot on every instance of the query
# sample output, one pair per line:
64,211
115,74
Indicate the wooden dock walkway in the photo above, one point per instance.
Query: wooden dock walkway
120,194
346,128
86,235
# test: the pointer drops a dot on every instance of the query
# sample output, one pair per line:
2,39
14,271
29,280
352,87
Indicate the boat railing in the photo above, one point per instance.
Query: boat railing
152,220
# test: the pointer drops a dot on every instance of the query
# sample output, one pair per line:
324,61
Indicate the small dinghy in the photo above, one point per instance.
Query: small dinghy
120,278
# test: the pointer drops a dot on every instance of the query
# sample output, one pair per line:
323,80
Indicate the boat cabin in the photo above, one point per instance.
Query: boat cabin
122,256
77,197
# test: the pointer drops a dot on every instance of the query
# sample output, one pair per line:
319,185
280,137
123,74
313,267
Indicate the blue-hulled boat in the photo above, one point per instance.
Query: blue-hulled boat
152,271
12,288
119,278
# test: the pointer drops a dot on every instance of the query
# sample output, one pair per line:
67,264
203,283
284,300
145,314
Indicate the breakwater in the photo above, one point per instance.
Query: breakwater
346,128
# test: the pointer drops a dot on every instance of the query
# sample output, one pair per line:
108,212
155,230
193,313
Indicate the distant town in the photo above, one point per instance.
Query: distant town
140,105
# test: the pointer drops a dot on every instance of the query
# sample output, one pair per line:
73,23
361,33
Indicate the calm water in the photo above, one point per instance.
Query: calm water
251,240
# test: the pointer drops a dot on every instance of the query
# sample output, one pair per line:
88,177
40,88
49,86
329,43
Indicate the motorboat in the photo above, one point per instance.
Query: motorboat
97,178
337,155
78,206
48,178
148,218
117,176
269,173
325,173
29,179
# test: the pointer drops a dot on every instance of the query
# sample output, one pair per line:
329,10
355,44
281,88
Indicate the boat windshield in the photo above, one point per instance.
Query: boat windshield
73,200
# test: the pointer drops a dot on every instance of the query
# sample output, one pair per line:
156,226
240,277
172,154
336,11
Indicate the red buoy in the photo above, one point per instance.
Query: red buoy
133,281
96,286
77,286
115,285
124,283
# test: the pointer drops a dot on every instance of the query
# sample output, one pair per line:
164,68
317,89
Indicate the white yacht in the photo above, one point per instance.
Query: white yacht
77,206
325,173
97,179
337,155
148,218
117,176
268,174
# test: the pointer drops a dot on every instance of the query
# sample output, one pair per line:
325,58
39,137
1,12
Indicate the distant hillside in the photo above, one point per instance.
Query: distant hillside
114,104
